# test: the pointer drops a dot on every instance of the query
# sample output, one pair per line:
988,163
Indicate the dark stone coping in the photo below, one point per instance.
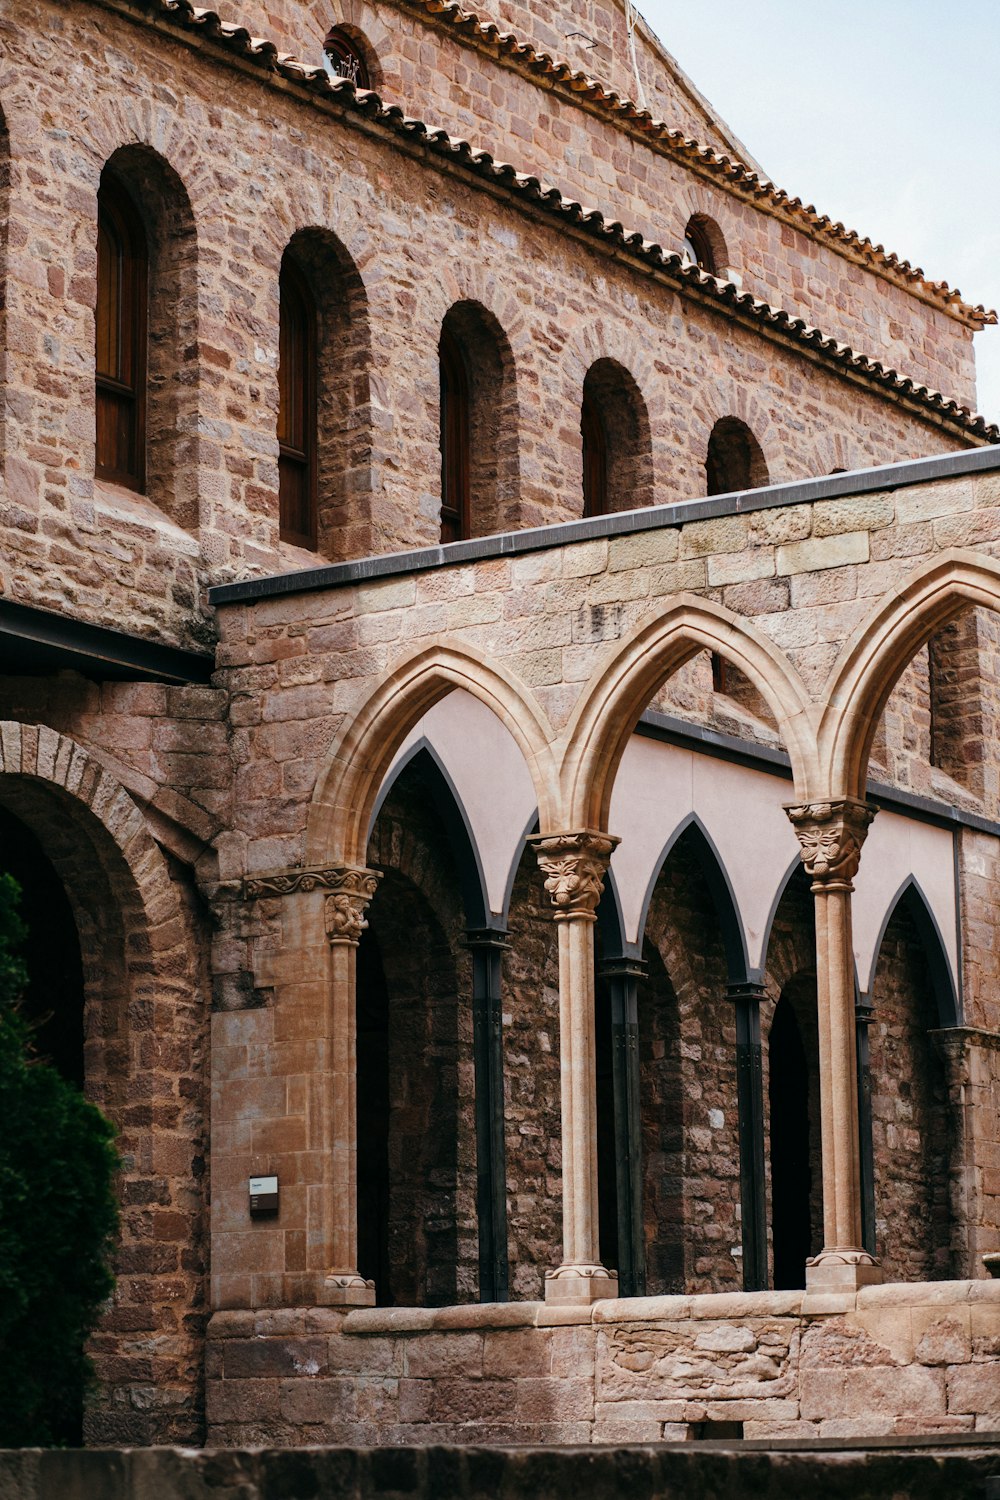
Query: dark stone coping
35,642
653,518
774,762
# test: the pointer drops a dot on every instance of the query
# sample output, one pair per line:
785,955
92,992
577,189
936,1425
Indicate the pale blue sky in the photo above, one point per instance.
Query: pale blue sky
883,113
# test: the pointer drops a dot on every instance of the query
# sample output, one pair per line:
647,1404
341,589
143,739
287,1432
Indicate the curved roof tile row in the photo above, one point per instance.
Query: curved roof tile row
590,221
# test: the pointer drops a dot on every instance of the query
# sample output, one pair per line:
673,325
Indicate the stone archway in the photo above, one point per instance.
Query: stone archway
142,1059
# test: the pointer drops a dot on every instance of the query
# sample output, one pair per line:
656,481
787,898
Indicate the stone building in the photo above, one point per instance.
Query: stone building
477,558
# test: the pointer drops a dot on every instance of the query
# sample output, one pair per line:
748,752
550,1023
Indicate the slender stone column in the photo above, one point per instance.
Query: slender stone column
831,835
574,866
351,890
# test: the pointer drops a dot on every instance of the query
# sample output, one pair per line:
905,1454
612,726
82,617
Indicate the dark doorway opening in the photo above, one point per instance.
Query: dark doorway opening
791,1174
607,1174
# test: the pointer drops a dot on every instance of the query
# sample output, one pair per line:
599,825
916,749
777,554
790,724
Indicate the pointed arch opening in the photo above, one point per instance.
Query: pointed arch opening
146,333
477,425
914,1131
617,447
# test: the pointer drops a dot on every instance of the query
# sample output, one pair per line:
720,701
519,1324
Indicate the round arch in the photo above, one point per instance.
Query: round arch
144,1029
880,649
348,785
610,705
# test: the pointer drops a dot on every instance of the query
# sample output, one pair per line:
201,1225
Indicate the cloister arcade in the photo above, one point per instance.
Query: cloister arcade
703,1069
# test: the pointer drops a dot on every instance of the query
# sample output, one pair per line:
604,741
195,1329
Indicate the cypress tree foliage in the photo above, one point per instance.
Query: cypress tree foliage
58,1222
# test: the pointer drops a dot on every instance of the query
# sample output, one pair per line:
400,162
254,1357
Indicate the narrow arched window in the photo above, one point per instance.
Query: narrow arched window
734,460
122,278
296,409
455,428
344,57
595,458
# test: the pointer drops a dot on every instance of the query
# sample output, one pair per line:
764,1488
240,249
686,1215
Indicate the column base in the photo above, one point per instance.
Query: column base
843,1269
580,1284
348,1289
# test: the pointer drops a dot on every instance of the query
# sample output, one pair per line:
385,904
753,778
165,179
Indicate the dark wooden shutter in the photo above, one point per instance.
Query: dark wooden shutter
296,410
595,459
455,424
122,281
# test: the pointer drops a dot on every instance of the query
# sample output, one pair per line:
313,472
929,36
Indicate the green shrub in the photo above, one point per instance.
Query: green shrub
58,1222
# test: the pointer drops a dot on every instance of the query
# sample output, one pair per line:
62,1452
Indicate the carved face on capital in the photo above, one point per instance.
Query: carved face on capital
829,850
573,882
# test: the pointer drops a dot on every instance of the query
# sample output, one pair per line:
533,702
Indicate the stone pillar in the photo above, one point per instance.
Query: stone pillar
574,865
351,890
831,835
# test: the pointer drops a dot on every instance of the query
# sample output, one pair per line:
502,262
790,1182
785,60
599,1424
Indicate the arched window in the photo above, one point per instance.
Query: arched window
595,458
122,278
734,460
455,424
478,425
296,409
704,246
344,57
617,451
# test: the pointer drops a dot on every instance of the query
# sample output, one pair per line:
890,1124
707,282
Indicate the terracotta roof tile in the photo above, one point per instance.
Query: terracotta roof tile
588,221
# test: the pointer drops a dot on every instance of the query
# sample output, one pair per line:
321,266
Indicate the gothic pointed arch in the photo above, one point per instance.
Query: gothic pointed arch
348,785
911,898
880,649
731,928
613,699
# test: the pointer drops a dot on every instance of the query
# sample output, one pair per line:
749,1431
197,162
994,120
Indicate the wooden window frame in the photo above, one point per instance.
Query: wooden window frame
455,438
347,57
120,319
297,408
595,458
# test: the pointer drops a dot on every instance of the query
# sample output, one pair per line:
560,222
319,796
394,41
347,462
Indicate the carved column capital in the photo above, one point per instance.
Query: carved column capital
574,866
344,909
831,835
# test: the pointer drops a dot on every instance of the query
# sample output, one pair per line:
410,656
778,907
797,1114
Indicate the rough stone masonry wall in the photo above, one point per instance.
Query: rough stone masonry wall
73,542
435,74
892,1360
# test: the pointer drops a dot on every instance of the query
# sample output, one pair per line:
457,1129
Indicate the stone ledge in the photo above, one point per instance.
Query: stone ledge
487,1316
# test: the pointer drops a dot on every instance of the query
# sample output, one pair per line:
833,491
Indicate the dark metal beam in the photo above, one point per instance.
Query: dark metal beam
750,1107
622,977
487,948
36,642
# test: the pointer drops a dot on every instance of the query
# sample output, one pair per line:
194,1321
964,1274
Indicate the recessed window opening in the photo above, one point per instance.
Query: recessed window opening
455,424
703,245
735,460
617,448
122,280
296,409
343,58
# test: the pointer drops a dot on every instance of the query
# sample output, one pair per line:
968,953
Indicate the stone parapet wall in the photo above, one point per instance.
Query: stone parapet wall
891,1360
946,1471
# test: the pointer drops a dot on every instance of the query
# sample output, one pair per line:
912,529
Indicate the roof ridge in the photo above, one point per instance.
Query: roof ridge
741,176
549,199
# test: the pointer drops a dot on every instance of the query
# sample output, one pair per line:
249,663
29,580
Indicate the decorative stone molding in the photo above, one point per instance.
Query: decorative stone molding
307,878
574,866
831,835
842,1269
347,1289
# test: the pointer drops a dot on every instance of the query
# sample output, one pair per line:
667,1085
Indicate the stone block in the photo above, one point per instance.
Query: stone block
975,1389
547,1399
517,1353
814,553
444,1354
